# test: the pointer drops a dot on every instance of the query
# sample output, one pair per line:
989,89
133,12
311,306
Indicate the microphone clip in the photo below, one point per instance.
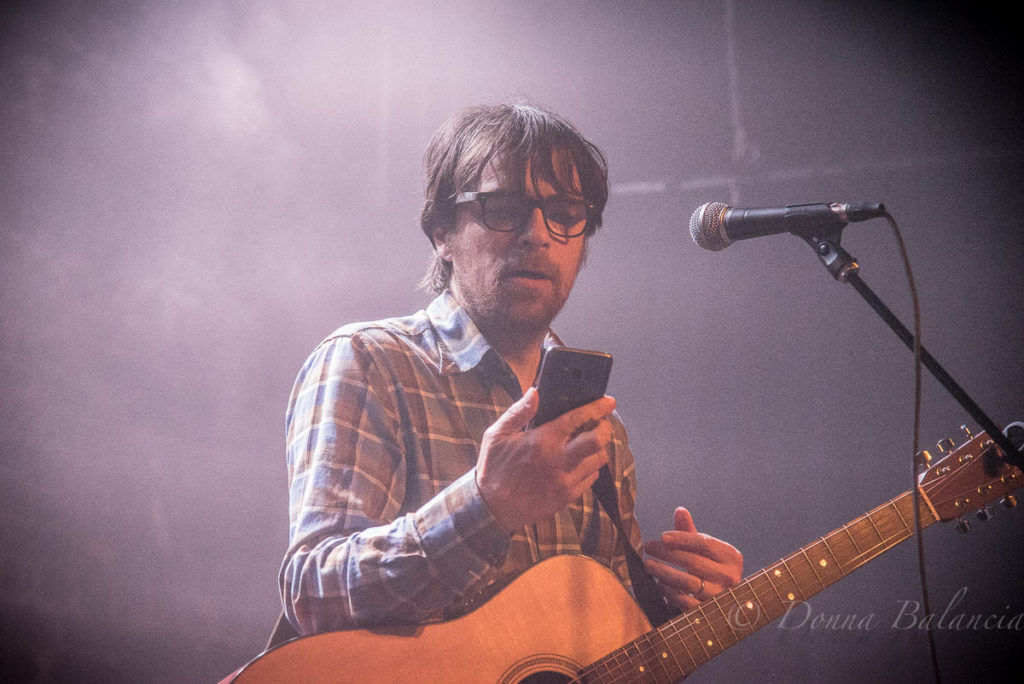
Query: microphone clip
835,258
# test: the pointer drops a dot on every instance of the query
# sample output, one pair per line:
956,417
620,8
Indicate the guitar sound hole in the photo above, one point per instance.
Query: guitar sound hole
546,678
541,668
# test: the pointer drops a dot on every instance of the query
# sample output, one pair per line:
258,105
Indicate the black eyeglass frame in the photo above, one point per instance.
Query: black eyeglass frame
482,197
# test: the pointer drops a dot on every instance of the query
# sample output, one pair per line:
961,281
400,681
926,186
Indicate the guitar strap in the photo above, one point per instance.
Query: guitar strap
283,631
645,589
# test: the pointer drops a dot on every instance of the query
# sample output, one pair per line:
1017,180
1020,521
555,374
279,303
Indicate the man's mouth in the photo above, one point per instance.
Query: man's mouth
528,274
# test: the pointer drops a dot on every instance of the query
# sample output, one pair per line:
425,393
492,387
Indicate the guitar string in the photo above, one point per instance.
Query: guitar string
810,564
657,654
800,577
891,511
853,539
628,669
885,542
624,664
645,645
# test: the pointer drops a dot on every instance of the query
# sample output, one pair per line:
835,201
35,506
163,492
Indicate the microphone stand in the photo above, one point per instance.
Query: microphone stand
844,268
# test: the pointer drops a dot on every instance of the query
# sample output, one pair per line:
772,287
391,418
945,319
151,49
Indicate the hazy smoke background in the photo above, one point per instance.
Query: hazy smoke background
194,194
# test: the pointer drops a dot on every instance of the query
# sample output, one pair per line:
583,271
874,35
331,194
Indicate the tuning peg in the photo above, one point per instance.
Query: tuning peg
945,446
923,459
1009,501
963,526
967,432
984,513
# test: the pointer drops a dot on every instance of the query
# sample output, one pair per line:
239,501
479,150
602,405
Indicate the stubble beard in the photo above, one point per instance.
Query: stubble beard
510,316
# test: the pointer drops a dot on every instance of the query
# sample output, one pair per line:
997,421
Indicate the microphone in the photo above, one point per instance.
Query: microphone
715,226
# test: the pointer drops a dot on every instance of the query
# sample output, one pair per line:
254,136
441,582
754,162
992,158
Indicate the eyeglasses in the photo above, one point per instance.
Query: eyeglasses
504,212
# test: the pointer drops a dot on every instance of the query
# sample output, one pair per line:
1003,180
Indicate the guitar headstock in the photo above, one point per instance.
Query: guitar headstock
970,477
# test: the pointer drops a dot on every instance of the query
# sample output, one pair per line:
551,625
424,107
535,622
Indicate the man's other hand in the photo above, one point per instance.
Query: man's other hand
691,566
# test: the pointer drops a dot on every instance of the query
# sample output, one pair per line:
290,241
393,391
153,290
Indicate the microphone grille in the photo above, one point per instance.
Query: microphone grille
706,226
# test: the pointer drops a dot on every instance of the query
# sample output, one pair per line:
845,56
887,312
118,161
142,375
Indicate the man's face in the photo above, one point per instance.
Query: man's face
512,284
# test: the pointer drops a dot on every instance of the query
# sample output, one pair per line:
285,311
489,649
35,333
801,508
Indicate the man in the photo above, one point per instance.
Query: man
415,487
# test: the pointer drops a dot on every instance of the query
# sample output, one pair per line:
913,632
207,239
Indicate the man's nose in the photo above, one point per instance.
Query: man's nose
534,229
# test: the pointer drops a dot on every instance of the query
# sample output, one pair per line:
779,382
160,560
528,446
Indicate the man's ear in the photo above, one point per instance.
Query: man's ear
440,236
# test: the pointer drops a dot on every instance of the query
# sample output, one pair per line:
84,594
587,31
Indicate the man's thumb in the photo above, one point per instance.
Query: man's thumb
683,521
518,415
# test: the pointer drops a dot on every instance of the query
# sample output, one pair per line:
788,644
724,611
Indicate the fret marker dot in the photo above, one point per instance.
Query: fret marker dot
778,573
750,605
710,642
823,562
641,668
664,655
790,596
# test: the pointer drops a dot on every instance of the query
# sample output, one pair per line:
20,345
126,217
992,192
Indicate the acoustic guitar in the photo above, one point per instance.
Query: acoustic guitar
569,619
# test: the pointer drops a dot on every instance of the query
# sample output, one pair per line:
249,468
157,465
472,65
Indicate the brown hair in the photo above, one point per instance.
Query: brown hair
523,134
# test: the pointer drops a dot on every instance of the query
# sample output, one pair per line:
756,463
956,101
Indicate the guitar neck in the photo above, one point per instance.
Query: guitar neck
686,642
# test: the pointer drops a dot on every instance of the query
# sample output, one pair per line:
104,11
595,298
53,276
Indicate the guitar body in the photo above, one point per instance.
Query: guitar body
556,617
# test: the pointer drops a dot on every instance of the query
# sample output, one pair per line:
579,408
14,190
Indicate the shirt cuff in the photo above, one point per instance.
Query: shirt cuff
459,535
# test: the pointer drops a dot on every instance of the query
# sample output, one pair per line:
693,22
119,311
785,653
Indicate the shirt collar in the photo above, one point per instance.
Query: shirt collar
461,343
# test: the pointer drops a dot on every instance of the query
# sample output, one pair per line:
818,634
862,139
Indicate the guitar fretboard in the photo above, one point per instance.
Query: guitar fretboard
686,642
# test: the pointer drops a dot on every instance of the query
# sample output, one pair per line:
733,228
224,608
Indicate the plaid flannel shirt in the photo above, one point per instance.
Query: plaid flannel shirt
387,525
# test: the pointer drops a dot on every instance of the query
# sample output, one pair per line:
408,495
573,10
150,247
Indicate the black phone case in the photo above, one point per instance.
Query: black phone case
568,379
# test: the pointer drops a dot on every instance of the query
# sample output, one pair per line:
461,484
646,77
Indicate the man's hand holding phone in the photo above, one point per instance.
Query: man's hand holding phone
526,476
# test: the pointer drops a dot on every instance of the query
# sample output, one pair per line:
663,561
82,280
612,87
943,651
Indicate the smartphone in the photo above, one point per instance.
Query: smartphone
568,379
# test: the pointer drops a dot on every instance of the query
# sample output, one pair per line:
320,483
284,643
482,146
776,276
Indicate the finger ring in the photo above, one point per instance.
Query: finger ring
700,592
